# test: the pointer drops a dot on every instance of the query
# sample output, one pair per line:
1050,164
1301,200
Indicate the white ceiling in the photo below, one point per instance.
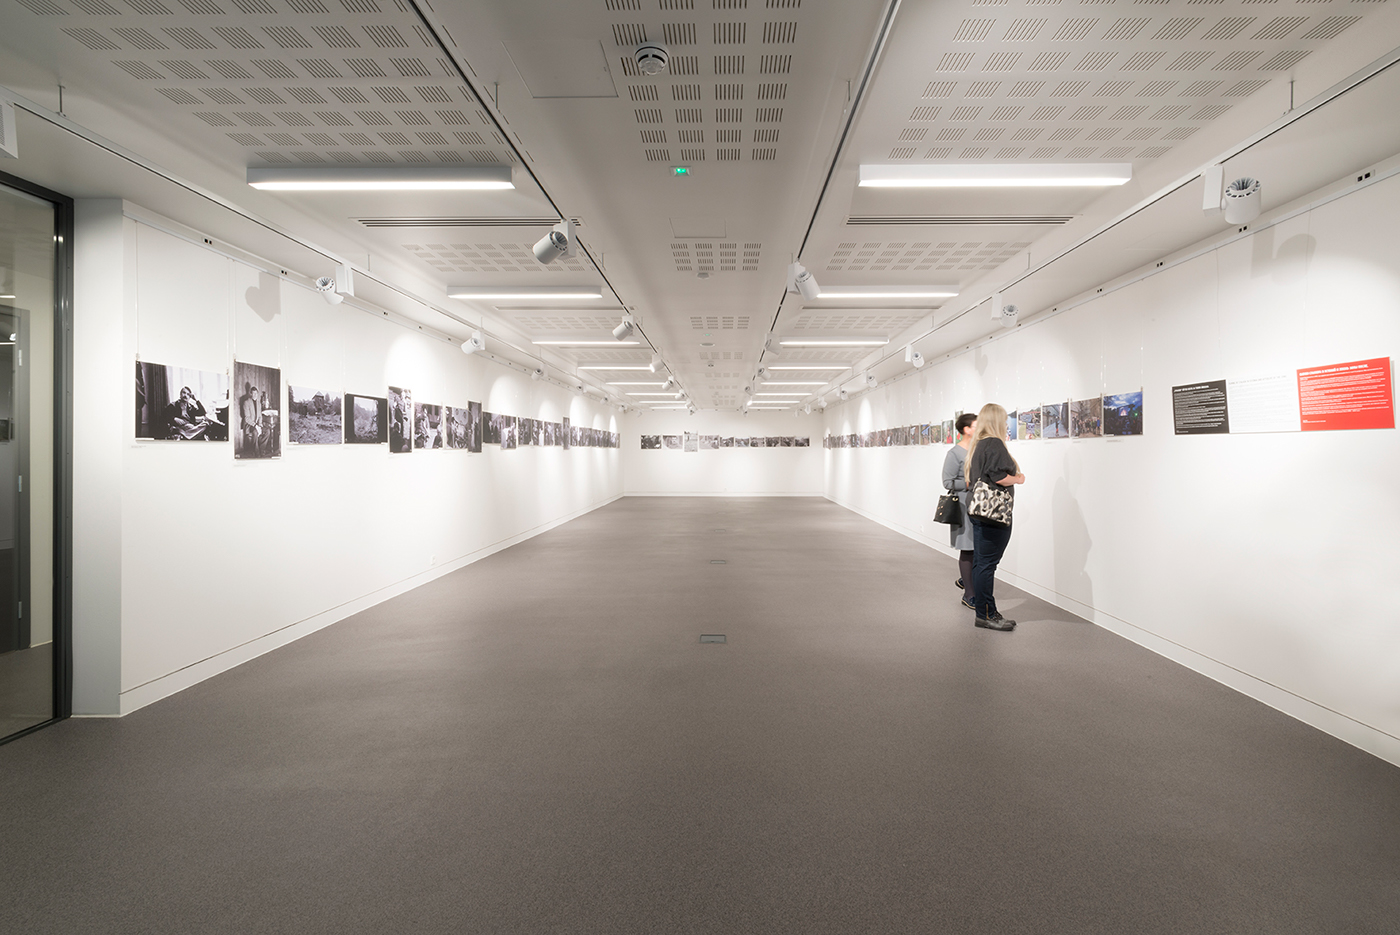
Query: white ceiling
754,102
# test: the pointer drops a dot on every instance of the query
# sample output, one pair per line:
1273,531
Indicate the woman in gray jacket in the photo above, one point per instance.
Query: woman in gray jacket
954,479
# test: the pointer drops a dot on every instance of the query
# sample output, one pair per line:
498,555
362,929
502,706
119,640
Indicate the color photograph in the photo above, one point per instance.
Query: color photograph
1011,426
313,417
1028,424
1086,418
1122,414
177,404
1054,421
259,430
400,420
366,420
948,436
427,426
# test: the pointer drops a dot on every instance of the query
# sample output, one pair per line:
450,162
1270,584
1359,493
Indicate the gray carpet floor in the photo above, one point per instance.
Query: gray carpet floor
539,743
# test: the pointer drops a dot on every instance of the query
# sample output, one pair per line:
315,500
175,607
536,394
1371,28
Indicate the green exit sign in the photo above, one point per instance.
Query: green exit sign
680,171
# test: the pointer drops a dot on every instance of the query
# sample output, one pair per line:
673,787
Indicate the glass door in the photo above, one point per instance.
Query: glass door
30,242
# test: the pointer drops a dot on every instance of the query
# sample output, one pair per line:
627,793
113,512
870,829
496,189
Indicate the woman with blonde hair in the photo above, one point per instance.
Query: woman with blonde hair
990,463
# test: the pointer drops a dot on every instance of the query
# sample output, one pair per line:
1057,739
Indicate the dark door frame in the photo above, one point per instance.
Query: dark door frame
63,449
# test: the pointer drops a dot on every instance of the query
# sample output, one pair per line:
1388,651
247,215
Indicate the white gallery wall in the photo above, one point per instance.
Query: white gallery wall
188,562
1266,561
727,472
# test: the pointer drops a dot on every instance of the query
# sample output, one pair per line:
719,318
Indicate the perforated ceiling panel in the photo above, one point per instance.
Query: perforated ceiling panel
722,96
488,258
854,321
1047,79
289,81
721,322
924,255
710,256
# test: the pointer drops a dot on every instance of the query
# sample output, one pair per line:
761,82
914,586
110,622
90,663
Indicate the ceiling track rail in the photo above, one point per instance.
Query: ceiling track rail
437,31
877,50
64,123
1337,90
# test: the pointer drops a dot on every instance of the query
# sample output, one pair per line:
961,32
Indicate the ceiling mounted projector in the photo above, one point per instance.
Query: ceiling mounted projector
1242,201
477,342
624,329
651,58
800,280
559,242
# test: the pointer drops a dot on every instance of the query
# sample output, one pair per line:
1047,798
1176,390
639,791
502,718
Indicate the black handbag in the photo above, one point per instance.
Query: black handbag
949,510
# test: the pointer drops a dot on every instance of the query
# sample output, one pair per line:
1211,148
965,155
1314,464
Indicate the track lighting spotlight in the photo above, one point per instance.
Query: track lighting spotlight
771,347
1008,316
912,356
800,280
655,363
1242,201
670,382
335,288
537,373
763,373
326,286
844,395
821,403
624,329
477,342
559,242
870,380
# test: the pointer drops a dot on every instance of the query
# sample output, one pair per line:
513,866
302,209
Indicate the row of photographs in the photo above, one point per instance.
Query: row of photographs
693,442
182,404
1110,415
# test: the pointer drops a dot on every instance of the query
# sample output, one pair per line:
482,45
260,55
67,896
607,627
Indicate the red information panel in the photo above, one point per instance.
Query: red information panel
1354,395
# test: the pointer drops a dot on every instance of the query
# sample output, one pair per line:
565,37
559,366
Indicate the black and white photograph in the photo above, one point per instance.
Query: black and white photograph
785,441
474,427
490,428
454,428
565,435
692,441
1122,414
524,431
259,430
1054,420
803,442
727,441
709,442
313,417
366,420
537,431
651,442
179,404
741,442
671,442
427,426
1086,418
400,420
509,438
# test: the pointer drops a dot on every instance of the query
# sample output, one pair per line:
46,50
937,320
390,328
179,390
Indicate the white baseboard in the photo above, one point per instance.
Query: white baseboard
1363,736
137,697
711,493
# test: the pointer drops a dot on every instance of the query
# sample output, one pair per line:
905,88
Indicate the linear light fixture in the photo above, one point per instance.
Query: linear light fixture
380,178
786,383
1003,175
513,293
635,384
896,292
619,366
662,395
570,342
789,393
810,367
835,342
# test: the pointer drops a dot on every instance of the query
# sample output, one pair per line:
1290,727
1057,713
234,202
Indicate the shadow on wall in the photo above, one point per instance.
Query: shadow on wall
266,297
1072,542
1289,264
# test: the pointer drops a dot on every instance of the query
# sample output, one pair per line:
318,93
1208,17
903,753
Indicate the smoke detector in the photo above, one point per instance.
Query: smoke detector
651,58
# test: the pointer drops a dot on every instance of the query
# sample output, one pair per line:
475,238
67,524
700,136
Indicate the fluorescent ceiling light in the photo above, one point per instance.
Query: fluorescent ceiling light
620,366
768,408
6,297
380,178
789,393
835,342
895,292
1005,175
570,342
636,384
524,292
810,367
662,395
785,383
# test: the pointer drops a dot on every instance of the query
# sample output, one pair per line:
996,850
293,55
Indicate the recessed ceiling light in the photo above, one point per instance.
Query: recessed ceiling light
707,344
1005,175
380,178
524,292
906,292
835,342
570,342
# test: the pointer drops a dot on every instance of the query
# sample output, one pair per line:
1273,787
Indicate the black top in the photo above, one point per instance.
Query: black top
991,461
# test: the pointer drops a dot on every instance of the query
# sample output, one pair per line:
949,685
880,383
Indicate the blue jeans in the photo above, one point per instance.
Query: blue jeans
988,545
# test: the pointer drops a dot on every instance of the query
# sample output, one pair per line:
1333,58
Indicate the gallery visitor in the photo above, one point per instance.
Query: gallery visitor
990,474
954,480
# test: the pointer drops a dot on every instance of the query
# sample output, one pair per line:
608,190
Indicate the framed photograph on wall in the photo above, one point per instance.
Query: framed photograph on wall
180,404
314,417
366,420
400,420
259,426
427,426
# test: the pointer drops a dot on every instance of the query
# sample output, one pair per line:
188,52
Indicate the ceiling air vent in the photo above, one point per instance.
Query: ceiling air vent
955,220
